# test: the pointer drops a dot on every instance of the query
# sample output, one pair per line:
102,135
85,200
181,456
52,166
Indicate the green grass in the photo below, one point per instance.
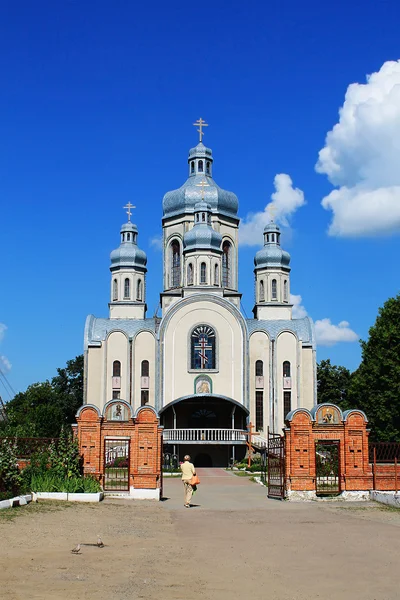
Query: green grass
33,508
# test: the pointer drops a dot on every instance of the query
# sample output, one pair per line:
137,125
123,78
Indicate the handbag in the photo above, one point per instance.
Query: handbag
195,480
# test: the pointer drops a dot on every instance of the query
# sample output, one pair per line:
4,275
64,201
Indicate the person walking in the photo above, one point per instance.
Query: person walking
188,471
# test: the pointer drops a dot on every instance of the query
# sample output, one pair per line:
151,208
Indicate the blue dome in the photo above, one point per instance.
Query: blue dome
202,236
128,255
272,255
183,200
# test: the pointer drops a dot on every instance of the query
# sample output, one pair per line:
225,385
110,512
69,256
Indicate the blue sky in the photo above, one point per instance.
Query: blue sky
96,109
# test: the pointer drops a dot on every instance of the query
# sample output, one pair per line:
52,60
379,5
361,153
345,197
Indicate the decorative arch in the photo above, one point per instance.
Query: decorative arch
117,410
175,273
226,264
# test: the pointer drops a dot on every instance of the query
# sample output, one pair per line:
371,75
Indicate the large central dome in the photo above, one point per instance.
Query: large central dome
200,186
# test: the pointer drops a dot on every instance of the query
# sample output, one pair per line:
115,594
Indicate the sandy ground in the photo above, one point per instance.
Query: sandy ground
234,543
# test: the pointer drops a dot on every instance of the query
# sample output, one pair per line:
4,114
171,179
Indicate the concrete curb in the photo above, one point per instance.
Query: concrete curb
388,498
17,501
97,497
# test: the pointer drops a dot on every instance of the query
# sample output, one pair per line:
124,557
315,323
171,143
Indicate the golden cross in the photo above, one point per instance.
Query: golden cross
201,124
129,206
203,184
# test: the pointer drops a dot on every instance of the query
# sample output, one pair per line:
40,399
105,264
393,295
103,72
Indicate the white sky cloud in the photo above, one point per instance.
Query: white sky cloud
5,364
285,201
326,333
361,157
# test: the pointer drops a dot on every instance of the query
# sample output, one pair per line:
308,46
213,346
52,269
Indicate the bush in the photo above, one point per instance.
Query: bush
10,476
51,482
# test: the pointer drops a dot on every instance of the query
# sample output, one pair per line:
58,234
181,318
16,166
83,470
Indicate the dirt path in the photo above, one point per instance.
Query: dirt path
235,543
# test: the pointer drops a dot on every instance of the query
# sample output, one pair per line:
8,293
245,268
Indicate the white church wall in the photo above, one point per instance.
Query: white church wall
227,378
307,378
95,376
286,349
144,349
117,348
259,349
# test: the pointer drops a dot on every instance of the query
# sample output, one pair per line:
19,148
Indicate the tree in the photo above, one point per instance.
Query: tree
375,385
333,384
44,408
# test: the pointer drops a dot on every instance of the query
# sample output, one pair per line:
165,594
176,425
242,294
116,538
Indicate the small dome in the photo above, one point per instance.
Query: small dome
202,236
184,199
128,255
272,255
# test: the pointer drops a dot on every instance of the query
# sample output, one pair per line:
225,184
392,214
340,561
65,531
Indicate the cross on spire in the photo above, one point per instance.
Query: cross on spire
203,184
129,206
272,210
201,124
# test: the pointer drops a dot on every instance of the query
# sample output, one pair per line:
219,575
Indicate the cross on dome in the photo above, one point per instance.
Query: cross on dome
129,206
272,210
203,184
201,124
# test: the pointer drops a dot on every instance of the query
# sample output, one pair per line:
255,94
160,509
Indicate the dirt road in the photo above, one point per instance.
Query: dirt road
233,543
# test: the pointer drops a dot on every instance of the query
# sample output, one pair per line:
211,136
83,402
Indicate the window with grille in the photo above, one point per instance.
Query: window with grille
216,275
116,368
287,403
190,274
259,368
286,368
203,273
274,289
203,348
139,293
115,289
176,264
226,264
127,288
145,368
262,296
259,411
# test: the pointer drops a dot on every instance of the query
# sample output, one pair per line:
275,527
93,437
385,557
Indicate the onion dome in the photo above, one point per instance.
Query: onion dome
202,236
272,254
128,255
183,200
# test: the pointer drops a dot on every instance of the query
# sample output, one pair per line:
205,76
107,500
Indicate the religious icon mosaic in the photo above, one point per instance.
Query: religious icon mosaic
328,415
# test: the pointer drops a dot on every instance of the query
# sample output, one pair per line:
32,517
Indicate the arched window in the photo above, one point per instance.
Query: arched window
259,410
262,296
207,167
129,237
115,289
145,368
116,368
139,290
273,290
200,166
202,347
123,237
216,275
203,273
285,291
272,237
175,264
226,264
127,288
192,166
259,368
190,274
286,368
203,217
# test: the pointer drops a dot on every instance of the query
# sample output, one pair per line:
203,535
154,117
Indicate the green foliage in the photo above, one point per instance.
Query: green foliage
43,409
51,482
10,476
333,384
375,385
64,458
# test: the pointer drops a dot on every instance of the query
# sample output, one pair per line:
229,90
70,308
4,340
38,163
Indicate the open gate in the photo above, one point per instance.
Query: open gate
116,465
327,458
276,466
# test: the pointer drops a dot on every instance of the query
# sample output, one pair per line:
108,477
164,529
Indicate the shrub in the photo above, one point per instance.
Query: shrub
10,476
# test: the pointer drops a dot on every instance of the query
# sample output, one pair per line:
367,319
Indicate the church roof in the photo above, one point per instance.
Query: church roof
128,254
96,330
183,199
302,328
272,255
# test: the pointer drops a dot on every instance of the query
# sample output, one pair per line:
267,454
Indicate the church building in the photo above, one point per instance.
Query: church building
206,369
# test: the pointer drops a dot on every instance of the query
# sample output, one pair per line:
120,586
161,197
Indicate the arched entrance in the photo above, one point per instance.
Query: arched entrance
209,427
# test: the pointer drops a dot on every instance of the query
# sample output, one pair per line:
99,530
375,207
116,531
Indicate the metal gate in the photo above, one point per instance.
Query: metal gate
276,466
327,459
116,465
